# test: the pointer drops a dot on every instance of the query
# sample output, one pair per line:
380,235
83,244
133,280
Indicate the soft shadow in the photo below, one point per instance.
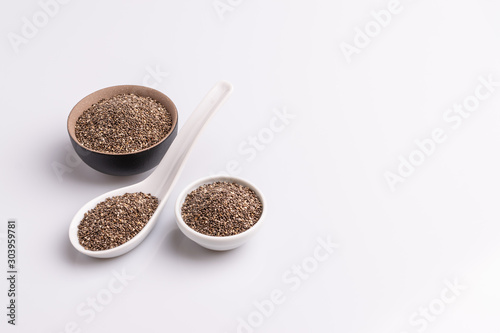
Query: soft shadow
70,168
176,242
86,175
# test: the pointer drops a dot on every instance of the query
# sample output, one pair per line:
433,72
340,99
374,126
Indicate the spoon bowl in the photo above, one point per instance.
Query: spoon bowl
218,243
162,180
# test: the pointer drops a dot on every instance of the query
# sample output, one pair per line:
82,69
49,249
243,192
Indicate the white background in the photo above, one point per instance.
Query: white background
323,174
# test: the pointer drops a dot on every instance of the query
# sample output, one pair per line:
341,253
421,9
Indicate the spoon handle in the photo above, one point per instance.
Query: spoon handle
164,177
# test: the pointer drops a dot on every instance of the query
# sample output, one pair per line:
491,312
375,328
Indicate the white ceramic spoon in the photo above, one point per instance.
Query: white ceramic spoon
163,179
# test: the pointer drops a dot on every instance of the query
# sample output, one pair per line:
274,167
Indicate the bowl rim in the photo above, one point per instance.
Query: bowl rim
209,180
93,98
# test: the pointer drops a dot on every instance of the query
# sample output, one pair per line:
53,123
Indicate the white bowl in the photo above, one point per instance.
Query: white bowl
218,243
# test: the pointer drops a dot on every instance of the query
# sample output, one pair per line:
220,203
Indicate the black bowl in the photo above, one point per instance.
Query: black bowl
125,164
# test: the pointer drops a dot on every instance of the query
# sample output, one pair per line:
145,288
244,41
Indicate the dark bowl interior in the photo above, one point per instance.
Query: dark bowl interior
129,163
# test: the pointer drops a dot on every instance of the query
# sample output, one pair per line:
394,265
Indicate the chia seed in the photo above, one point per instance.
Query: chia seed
221,209
123,124
116,220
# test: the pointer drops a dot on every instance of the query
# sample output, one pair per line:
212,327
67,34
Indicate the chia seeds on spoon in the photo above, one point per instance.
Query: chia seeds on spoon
221,209
116,220
123,124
